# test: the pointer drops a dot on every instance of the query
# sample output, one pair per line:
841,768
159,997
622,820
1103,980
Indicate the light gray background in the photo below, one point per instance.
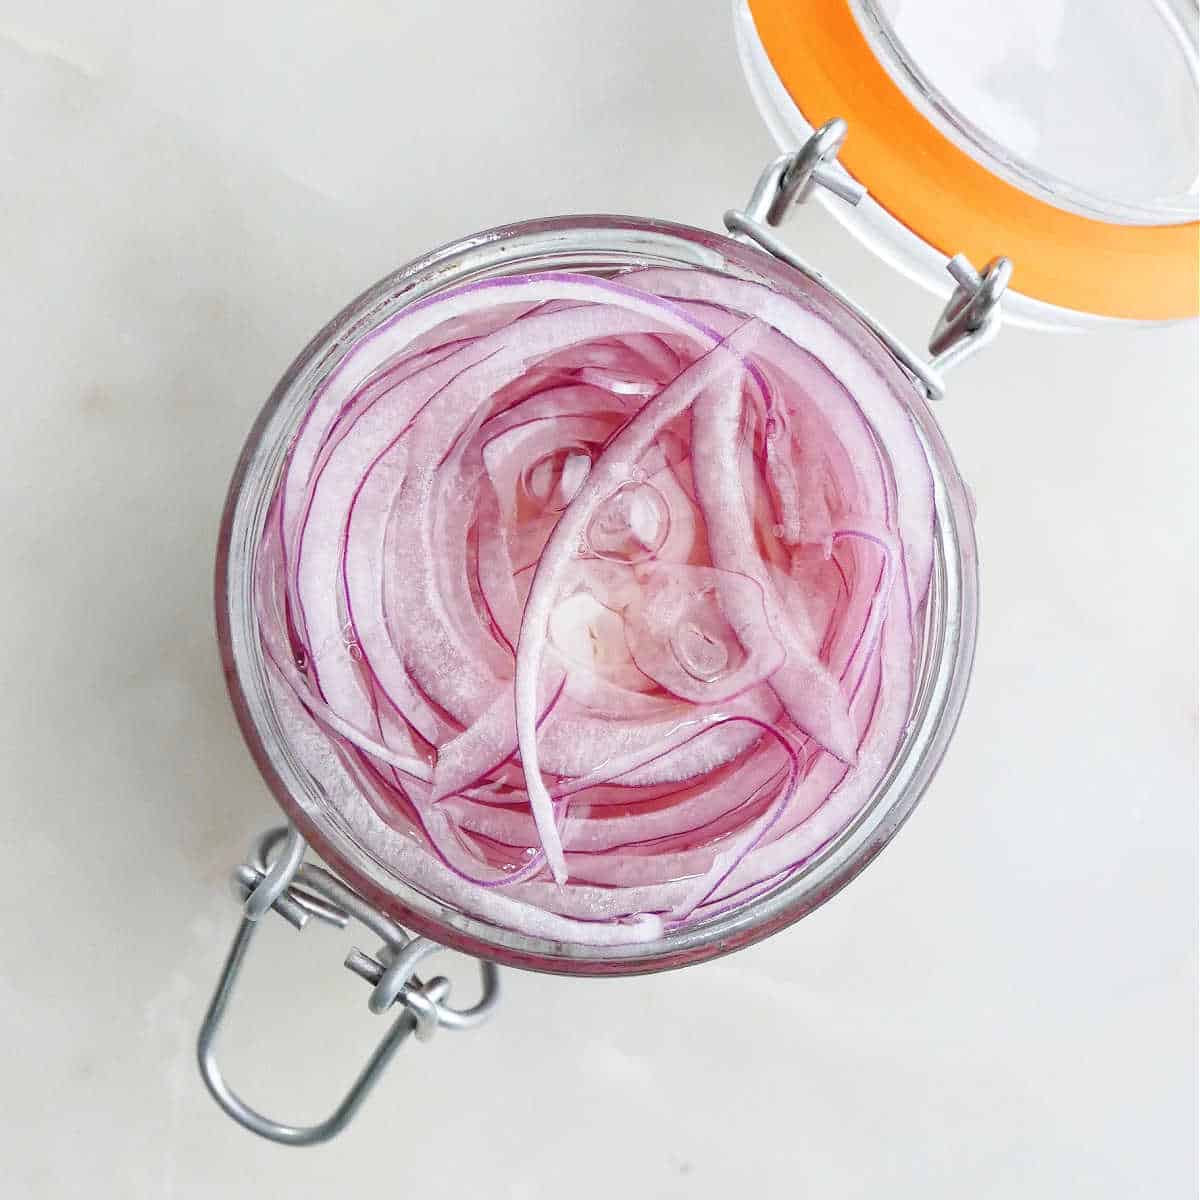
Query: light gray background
1003,1005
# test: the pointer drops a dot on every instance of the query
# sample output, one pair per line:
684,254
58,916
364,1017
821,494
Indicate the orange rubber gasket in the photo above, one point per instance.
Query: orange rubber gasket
822,57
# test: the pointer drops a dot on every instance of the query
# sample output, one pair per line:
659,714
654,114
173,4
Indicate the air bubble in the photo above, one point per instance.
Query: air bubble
555,479
631,525
701,653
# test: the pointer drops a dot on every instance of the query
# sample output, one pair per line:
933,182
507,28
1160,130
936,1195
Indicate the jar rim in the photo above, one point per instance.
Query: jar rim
948,644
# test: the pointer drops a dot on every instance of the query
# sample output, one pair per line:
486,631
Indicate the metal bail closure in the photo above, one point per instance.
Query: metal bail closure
968,321
277,878
966,324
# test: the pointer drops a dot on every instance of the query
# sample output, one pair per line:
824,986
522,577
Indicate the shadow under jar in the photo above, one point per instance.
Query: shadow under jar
378,852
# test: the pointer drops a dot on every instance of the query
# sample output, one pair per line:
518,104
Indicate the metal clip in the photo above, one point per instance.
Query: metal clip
968,321
966,324
810,166
297,891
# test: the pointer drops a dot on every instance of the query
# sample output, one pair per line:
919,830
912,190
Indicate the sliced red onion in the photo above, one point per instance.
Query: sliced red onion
603,594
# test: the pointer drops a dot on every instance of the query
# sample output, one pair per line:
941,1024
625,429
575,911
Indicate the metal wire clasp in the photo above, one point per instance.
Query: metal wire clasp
966,324
276,878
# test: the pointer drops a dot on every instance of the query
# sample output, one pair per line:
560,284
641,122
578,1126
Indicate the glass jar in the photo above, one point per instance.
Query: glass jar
962,150
345,830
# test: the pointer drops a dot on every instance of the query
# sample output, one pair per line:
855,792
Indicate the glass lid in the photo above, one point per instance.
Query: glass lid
1062,134
1091,105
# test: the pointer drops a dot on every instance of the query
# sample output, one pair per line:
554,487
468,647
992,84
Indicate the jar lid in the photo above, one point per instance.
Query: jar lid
1060,135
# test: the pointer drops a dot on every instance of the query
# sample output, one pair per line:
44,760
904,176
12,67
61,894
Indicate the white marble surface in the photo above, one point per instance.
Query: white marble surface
1003,1005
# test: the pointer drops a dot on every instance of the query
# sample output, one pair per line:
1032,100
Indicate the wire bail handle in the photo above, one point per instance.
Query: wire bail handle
968,321
276,878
